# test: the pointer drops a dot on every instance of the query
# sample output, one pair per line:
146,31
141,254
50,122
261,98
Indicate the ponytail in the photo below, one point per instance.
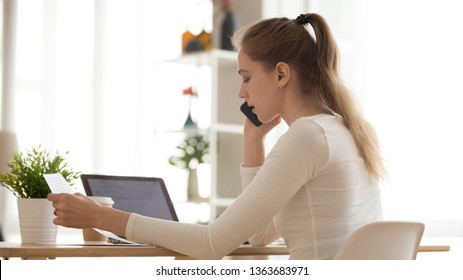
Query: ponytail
332,94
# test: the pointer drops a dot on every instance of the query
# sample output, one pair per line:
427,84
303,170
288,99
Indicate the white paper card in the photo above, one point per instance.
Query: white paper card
57,183
115,237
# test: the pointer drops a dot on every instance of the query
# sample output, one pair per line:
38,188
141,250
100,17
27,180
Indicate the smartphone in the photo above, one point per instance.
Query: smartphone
248,112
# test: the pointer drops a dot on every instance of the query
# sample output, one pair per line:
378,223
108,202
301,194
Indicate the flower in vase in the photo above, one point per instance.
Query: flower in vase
190,92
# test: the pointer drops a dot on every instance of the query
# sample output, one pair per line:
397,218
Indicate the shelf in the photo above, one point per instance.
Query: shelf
188,131
219,127
229,128
226,127
205,57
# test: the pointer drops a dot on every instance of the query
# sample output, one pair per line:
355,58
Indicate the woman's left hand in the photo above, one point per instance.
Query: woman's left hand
254,148
259,132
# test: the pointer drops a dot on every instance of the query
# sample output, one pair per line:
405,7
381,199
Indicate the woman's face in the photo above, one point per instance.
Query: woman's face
259,87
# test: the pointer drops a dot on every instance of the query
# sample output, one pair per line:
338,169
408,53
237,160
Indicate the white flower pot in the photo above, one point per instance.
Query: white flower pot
36,221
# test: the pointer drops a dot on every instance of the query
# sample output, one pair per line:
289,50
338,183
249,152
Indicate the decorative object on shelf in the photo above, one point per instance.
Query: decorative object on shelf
187,37
206,40
25,180
190,123
193,151
192,43
229,25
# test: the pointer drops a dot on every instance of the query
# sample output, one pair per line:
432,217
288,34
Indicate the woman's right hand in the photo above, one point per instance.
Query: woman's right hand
74,210
79,211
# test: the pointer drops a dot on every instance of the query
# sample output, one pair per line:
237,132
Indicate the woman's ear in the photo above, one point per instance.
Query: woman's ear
283,73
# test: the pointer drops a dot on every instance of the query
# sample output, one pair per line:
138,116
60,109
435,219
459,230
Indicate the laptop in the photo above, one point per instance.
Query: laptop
146,196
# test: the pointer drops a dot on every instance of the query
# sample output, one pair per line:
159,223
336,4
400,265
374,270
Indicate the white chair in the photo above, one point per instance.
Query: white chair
385,240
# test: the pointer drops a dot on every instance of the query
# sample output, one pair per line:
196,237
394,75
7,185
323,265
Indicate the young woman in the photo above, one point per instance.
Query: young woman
317,185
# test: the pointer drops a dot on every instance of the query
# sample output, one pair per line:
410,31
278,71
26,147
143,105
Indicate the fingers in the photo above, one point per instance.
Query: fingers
56,220
59,201
71,210
52,196
56,199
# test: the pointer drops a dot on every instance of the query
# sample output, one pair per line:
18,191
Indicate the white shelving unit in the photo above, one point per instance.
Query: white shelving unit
226,127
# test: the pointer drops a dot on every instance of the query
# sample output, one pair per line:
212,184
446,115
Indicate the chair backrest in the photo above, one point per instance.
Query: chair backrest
385,240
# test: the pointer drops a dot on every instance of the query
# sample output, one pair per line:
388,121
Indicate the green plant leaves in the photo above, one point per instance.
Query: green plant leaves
25,177
193,150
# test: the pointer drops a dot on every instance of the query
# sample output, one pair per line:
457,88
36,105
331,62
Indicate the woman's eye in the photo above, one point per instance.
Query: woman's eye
245,80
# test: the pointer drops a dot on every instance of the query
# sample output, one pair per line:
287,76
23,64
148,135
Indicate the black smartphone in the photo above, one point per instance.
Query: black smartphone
248,112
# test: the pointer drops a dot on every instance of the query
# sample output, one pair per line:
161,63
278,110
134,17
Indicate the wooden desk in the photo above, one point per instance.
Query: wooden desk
38,251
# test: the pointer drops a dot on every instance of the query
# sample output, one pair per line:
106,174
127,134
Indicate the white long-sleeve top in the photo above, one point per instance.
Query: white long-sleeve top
313,190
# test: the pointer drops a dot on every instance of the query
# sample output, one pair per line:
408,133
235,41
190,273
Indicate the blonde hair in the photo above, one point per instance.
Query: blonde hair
316,61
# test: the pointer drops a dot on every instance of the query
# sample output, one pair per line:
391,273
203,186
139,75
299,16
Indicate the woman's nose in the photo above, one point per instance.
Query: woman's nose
242,94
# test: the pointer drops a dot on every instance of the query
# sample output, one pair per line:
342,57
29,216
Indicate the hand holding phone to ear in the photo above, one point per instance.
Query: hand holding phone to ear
251,116
254,150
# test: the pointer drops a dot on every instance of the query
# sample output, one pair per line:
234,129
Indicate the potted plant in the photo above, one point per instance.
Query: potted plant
24,178
193,150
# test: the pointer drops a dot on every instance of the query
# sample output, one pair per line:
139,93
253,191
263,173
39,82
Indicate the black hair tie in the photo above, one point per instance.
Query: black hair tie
302,20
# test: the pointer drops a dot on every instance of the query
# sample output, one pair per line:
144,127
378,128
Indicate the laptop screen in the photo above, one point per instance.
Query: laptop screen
146,196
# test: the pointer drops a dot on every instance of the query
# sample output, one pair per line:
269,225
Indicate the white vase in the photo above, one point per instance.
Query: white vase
36,221
193,192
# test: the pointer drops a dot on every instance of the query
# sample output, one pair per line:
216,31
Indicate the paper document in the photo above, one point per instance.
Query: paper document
58,184
115,237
